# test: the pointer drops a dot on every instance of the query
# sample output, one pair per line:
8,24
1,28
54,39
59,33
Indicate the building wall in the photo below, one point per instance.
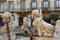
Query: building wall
39,3
52,4
28,3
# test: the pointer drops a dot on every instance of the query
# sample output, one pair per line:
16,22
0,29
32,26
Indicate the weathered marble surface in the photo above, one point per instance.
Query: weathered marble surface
8,20
43,38
57,30
41,27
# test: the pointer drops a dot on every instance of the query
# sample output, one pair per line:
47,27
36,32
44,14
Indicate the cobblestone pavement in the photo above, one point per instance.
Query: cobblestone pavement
0,37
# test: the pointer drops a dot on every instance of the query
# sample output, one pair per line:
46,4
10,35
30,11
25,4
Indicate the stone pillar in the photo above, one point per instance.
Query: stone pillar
16,8
5,4
39,3
28,4
52,4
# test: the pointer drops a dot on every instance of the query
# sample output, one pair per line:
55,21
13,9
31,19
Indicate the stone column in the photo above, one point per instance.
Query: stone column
28,4
52,4
16,8
39,3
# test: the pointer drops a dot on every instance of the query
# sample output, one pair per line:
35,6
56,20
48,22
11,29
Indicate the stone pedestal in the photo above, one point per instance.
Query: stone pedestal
43,38
4,37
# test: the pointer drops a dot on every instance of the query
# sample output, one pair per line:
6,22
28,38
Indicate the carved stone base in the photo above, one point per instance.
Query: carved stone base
43,38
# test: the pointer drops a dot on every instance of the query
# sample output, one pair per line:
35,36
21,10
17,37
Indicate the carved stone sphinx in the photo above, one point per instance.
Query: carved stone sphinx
40,25
7,18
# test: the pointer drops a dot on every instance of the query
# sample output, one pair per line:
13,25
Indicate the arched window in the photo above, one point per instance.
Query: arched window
57,2
33,4
22,4
45,3
10,6
1,7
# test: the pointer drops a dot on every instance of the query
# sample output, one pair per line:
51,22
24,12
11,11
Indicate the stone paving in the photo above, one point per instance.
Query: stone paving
0,37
